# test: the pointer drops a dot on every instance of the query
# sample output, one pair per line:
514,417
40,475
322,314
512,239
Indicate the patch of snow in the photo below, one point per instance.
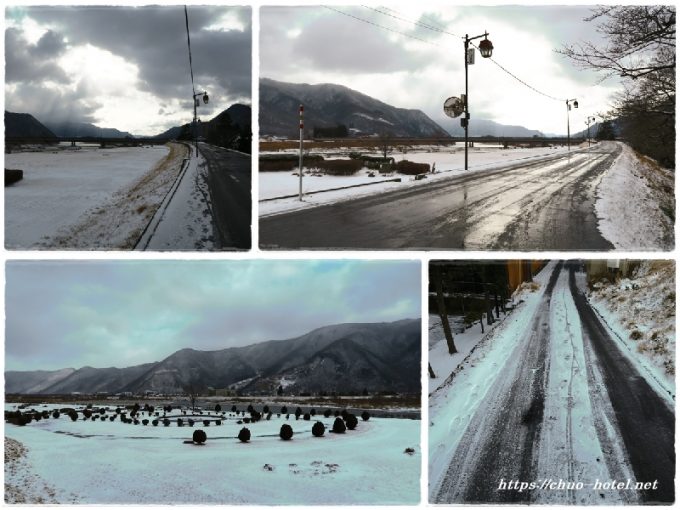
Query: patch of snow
628,204
107,462
63,189
640,313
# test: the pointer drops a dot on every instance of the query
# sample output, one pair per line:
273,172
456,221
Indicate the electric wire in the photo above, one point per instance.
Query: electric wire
381,26
191,67
434,28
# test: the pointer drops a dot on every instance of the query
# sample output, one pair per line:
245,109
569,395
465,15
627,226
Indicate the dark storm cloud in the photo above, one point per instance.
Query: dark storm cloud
54,105
154,38
26,62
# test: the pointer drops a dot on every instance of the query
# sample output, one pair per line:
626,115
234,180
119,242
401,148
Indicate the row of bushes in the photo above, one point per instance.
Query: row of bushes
343,166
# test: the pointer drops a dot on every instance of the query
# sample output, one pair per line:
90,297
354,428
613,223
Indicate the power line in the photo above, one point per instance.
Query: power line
382,26
191,68
440,30
417,23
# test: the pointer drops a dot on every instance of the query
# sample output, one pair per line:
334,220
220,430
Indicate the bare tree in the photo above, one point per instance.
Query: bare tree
441,305
640,48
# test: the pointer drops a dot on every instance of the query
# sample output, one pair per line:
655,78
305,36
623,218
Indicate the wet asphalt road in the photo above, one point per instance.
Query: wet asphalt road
502,439
543,205
229,181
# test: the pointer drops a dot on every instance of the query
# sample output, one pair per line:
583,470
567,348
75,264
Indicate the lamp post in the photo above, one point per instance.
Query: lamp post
485,49
570,102
589,121
197,103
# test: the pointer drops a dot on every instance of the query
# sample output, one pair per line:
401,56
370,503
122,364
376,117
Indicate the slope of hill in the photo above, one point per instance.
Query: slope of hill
482,127
24,125
81,129
329,105
342,358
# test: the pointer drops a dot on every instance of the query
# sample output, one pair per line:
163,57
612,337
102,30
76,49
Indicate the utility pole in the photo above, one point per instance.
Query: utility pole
302,128
485,49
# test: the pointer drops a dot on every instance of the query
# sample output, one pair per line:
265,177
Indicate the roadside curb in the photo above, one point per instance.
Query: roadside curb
396,179
151,227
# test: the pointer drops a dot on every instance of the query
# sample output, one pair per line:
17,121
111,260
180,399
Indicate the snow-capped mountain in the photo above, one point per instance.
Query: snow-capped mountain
328,105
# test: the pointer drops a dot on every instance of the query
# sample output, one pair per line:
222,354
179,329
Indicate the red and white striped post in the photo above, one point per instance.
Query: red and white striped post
302,127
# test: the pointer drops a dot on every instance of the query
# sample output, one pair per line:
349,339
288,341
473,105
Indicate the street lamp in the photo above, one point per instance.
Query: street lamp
197,103
589,121
570,102
485,49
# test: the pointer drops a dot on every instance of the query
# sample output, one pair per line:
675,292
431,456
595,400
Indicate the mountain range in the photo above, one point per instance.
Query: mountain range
329,105
342,358
25,125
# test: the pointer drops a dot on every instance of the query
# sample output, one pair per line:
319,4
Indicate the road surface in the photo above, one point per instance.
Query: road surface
208,207
541,205
567,405
229,180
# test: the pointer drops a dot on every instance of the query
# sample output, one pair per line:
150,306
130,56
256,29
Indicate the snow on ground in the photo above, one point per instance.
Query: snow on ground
635,204
449,163
111,462
453,405
640,312
89,198
185,220
569,448
443,364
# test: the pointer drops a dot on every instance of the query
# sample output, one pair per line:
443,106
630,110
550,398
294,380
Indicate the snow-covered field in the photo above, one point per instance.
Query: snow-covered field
632,197
87,199
112,462
447,163
640,312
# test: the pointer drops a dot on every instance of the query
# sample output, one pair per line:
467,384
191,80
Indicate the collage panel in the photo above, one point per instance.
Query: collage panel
128,128
265,382
484,128
552,382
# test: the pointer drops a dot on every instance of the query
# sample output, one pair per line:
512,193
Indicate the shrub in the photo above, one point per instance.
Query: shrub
190,422
113,417
136,422
244,435
246,420
166,422
298,412
45,414
269,416
234,409
87,413
343,413
336,413
306,417
636,335
218,422
318,429
206,423
73,415
265,410
327,413
313,412
286,432
199,436
255,416
154,423
339,166
55,414
411,168
351,421
284,410
218,408
250,408
180,422
365,416
339,426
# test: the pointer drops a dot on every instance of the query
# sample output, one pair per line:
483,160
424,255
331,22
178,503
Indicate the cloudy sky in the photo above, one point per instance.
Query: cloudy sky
317,45
125,67
102,313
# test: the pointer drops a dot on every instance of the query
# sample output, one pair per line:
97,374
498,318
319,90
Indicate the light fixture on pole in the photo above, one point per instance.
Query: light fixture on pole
590,120
197,103
570,102
485,49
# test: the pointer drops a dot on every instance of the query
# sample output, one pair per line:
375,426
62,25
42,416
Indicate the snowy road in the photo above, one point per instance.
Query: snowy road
208,208
535,205
566,406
